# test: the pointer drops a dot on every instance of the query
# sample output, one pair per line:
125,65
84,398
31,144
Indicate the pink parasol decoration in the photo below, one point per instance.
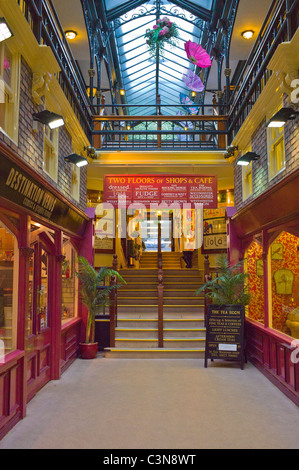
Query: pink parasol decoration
197,55
192,81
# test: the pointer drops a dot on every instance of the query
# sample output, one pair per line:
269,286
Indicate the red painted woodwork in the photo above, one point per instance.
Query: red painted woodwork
70,334
274,211
11,391
271,352
45,354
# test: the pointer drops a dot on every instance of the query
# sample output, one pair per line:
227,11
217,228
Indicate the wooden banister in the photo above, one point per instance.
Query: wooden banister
160,310
113,312
113,303
160,288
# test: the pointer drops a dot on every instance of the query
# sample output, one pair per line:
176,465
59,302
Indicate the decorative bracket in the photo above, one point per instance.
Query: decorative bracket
40,86
26,251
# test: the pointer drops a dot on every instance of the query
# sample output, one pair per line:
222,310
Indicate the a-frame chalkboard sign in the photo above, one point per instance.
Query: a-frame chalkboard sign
225,333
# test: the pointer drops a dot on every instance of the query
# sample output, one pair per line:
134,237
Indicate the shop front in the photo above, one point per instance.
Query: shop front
41,235
266,235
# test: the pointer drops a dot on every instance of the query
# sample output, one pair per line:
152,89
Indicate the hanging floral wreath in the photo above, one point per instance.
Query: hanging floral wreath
162,33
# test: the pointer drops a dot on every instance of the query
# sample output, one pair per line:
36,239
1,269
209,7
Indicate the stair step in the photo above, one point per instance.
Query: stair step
183,342
188,333
145,343
149,323
146,301
136,333
183,323
155,353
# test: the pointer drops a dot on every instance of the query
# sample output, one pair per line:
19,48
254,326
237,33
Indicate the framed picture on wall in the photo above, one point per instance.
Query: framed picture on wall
284,280
277,251
104,240
259,267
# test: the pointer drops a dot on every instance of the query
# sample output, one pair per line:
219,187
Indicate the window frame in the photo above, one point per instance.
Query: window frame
75,189
273,143
53,144
11,113
247,170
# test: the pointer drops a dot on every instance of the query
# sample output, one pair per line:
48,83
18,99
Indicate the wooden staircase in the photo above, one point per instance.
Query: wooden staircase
171,260
136,333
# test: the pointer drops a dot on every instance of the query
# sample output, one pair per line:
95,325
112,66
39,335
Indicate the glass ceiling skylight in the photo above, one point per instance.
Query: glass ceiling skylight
144,78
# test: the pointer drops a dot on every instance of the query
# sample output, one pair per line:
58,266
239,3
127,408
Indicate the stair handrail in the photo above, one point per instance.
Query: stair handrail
113,303
160,288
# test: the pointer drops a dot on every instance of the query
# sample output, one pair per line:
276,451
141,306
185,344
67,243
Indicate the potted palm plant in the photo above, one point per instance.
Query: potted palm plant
230,287
94,298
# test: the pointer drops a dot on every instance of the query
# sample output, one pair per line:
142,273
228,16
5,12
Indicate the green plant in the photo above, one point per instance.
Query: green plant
92,297
230,287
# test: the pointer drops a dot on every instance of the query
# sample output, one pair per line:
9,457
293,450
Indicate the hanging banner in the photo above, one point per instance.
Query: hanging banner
124,190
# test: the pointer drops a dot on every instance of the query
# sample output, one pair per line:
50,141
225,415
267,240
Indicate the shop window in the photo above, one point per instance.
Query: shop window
9,91
51,152
276,150
284,261
75,182
69,283
39,296
254,268
43,293
8,289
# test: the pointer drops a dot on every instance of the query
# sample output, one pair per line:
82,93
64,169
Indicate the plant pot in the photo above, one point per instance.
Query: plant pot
88,350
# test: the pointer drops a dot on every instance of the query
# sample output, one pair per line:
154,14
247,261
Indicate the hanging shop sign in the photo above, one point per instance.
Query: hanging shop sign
225,333
214,231
19,187
155,189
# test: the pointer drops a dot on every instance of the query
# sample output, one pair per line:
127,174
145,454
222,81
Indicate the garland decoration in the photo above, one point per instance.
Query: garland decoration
162,33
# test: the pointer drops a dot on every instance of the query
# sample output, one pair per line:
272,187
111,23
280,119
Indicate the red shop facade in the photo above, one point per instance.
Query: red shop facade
41,235
266,235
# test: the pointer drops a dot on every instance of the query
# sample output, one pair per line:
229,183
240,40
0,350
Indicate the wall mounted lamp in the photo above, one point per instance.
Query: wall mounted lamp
247,158
5,31
122,92
281,117
48,118
76,159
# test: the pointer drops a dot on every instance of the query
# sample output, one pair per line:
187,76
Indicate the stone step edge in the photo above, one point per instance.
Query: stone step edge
164,339
164,306
152,350
164,319
156,329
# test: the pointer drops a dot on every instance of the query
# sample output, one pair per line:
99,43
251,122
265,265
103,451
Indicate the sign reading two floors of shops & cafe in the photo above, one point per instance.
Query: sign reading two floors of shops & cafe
150,190
19,187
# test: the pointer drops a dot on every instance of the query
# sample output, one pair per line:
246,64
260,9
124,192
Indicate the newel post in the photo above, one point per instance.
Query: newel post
113,312
207,277
115,263
160,310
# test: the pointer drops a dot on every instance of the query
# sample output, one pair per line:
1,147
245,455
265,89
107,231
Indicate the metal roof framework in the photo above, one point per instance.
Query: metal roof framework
144,77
